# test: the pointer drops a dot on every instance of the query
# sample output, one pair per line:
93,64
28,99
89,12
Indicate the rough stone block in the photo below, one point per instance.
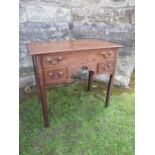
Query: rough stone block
104,14
26,71
27,81
119,33
25,59
126,51
124,70
32,31
117,3
125,65
86,3
47,13
73,3
22,14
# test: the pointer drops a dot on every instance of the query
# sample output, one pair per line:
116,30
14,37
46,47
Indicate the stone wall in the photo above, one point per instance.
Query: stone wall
66,19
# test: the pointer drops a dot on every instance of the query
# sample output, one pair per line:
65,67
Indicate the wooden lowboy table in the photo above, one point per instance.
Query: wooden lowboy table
56,61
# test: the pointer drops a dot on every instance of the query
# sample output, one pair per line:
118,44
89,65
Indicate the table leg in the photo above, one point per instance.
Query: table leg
42,90
109,90
44,105
36,76
91,73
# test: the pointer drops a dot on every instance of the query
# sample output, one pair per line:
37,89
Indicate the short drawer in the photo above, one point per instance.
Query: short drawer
106,67
50,60
55,75
108,54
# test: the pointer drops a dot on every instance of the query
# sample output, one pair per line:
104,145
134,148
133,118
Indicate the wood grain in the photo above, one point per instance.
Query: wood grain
69,45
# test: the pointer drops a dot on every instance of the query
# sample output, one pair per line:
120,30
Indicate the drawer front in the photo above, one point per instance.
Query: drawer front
106,67
78,57
108,54
51,60
55,75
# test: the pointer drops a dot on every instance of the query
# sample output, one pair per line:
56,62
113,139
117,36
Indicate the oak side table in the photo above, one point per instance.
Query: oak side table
56,61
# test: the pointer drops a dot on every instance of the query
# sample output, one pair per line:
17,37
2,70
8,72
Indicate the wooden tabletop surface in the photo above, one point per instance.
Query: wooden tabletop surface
69,45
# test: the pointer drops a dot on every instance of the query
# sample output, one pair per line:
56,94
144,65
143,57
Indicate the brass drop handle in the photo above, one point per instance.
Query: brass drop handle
54,62
50,74
49,59
61,73
107,66
56,75
110,53
105,54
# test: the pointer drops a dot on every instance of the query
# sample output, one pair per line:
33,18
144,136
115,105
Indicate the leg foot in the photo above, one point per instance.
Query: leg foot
91,73
109,90
44,107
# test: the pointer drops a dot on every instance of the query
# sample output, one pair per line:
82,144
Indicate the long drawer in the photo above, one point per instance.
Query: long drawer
73,58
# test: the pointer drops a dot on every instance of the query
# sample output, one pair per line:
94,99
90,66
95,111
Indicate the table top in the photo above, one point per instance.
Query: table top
45,47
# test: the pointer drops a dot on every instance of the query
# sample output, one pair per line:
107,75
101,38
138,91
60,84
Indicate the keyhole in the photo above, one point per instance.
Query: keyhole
84,68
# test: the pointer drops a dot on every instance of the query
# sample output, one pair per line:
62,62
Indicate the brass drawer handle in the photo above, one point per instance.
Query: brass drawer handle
49,59
107,66
61,73
105,54
110,53
54,61
56,75
50,74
